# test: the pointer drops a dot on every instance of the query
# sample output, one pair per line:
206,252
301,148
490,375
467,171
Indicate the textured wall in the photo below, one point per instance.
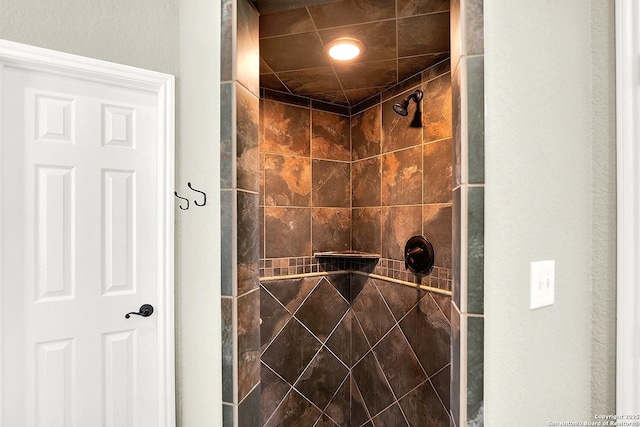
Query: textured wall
603,371
543,158
143,33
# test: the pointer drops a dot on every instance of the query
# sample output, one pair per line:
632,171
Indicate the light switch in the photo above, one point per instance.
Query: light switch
542,278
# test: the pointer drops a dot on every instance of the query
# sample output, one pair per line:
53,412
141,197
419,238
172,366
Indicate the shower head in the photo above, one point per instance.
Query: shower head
402,108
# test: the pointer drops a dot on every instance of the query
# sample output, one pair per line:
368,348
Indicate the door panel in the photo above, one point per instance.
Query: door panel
80,173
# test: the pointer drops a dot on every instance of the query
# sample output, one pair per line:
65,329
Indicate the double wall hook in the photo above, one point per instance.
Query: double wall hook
201,192
184,208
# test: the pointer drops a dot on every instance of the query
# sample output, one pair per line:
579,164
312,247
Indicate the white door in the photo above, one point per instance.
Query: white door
82,247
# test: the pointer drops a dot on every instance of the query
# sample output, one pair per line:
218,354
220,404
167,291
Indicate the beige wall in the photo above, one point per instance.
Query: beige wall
550,194
179,37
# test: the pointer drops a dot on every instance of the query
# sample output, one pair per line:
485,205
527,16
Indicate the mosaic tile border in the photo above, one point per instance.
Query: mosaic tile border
439,277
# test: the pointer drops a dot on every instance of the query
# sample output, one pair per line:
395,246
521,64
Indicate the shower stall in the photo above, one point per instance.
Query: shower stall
323,324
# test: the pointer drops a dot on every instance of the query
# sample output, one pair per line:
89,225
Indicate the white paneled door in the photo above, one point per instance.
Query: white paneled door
84,242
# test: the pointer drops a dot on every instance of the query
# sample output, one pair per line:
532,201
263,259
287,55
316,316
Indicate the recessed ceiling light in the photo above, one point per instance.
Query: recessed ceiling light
344,49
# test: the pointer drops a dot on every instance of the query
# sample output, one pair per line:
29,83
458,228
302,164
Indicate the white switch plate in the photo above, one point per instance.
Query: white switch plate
542,278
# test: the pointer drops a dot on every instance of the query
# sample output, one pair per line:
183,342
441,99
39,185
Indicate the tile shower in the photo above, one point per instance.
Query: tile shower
263,271
345,342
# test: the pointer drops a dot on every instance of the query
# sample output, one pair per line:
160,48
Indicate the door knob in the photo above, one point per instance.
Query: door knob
146,310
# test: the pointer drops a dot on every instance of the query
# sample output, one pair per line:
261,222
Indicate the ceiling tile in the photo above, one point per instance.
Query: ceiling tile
349,12
411,65
367,74
423,34
270,81
315,80
295,52
271,6
264,68
418,7
289,22
356,96
379,39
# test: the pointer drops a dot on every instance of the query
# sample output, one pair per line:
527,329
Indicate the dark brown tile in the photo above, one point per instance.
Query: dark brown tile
396,130
436,226
320,381
248,343
287,180
391,416
444,302
366,230
227,349
357,97
273,389
325,421
364,75
340,340
310,81
286,129
330,184
293,52
271,81
418,7
286,98
337,98
414,64
406,86
247,244
291,351
438,172
227,104
359,344
436,114
365,133
330,136
366,178
322,311
249,413
286,22
351,12
291,292
339,408
274,316
437,70
398,362
379,39
412,40
342,283
331,108
287,232
372,313
366,103
331,229
227,238
402,177
399,224
399,298
359,412
423,407
372,385
442,384
429,333
294,411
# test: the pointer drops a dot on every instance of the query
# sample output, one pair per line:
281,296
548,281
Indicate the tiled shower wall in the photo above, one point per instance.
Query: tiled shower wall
467,65
362,180
327,361
239,187
359,180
